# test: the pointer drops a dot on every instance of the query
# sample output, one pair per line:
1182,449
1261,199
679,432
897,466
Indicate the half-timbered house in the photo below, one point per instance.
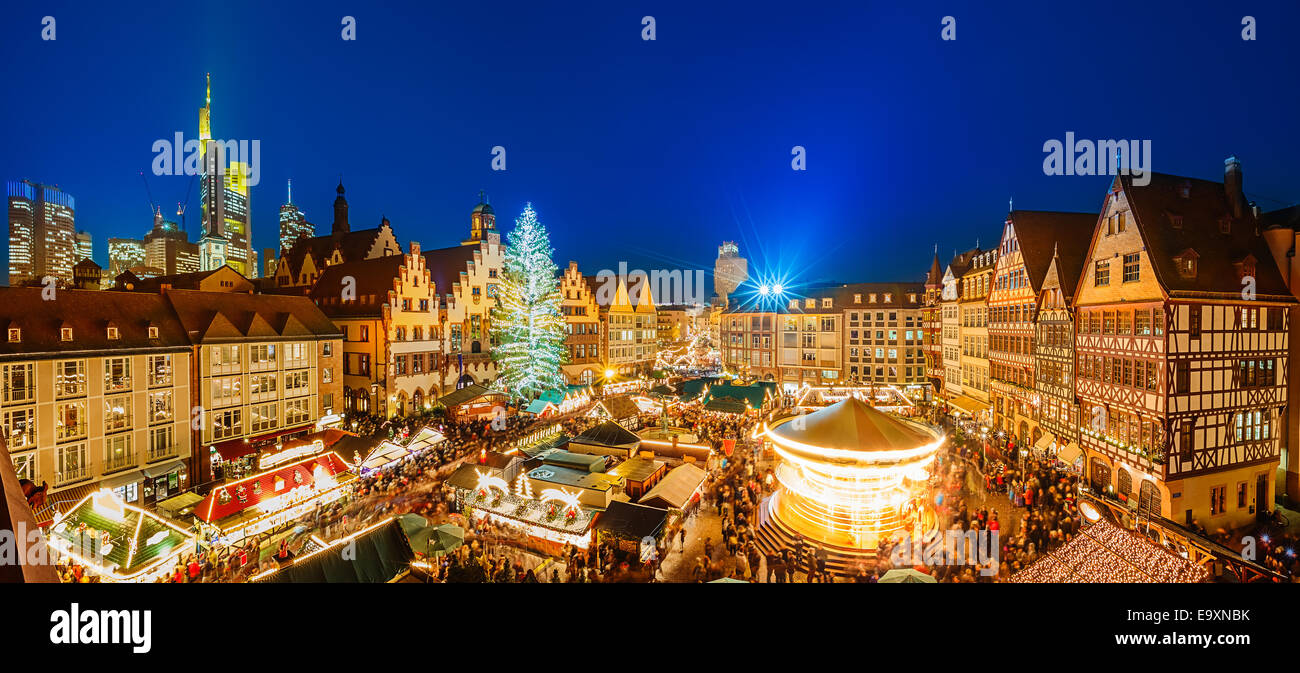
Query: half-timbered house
1025,252
1181,321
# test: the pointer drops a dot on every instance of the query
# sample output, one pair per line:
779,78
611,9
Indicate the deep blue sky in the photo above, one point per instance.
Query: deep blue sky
653,152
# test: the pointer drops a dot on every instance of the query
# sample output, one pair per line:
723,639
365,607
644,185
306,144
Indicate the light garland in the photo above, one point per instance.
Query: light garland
527,322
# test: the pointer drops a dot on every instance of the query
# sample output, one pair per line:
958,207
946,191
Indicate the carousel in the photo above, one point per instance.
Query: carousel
849,476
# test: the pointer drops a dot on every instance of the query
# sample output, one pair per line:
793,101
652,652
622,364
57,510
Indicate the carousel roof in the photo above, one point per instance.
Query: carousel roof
853,425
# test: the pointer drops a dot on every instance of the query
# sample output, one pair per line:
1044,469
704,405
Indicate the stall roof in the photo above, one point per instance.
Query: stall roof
621,406
638,469
377,554
249,491
565,476
725,405
608,433
461,396
538,407
632,521
578,461
676,488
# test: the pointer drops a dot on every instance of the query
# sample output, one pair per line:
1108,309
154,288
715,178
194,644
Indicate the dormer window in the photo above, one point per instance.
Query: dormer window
65,334
153,332
15,335
1175,221
1185,262
857,299
1246,267
912,297
826,302
794,303
1185,190
889,298
810,303
871,298
112,333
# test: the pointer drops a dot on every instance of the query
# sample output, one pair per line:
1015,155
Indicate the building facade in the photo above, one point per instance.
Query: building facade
973,316
1182,373
1024,253
96,393
582,324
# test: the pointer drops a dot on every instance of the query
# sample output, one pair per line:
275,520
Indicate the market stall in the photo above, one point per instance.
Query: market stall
272,499
118,541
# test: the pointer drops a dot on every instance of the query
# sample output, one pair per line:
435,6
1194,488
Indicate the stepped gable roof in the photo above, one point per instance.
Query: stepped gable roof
1202,211
373,280
853,425
446,264
1038,232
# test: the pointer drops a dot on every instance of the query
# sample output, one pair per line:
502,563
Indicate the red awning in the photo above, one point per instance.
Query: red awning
236,496
235,449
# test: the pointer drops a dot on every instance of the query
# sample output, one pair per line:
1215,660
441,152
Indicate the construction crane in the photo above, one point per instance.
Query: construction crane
180,207
153,207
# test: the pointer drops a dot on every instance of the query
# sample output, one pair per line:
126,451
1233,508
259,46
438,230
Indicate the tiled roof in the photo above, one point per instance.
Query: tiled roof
354,246
1205,206
1038,232
217,317
372,279
88,313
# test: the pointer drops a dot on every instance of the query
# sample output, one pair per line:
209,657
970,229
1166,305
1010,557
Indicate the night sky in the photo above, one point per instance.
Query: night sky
653,153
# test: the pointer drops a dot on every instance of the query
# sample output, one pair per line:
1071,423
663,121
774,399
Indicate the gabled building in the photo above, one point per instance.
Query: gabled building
467,277
950,321
388,310
582,320
1024,253
1182,317
265,369
1054,353
1280,231
302,264
932,318
973,312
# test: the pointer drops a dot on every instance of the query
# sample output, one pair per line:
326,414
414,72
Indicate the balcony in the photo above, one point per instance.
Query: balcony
119,461
71,474
156,454
19,395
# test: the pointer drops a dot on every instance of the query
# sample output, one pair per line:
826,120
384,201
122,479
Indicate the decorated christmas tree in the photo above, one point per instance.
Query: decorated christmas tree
527,323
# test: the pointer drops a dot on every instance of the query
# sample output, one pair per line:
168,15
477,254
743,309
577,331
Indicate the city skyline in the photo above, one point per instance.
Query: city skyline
725,168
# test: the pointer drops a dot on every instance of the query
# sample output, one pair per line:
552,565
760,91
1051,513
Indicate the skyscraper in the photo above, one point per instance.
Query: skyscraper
729,271
42,232
223,192
124,254
85,247
168,248
293,223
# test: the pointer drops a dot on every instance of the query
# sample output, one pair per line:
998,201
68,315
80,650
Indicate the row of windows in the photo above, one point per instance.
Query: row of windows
70,377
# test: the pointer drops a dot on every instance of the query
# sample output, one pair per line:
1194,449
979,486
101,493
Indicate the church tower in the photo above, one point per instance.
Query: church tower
341,225
482,221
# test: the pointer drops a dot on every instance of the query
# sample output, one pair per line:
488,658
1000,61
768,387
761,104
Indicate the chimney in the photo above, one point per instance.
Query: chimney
1232,187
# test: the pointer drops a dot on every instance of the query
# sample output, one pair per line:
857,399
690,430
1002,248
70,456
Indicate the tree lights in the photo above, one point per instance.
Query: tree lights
527,322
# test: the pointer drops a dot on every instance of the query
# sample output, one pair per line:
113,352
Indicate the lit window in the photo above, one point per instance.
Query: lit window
15,334
65,334
112,333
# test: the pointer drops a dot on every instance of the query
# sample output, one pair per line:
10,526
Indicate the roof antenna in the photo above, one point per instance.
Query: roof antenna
1011,204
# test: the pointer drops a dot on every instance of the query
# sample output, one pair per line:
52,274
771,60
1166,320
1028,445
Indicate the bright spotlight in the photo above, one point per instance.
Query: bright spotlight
764,290
777,289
